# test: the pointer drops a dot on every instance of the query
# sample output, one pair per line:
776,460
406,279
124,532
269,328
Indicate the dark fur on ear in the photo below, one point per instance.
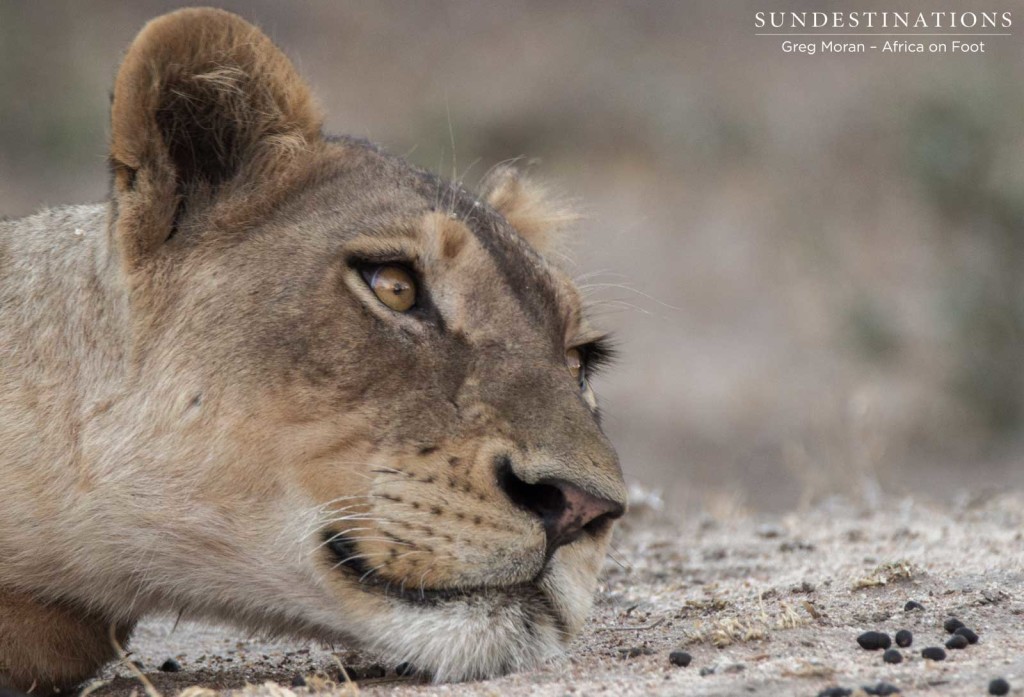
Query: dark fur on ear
535,214
207,114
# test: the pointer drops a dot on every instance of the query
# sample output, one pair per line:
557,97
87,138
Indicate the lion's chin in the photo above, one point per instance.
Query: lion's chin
473,633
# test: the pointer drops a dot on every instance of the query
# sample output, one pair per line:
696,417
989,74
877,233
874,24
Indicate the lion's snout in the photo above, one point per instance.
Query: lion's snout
566,511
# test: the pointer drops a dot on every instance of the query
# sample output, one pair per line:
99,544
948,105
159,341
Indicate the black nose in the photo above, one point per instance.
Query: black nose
564,508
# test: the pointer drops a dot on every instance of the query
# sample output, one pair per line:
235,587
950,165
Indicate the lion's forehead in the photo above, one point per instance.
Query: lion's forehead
472,259
507,314
490,281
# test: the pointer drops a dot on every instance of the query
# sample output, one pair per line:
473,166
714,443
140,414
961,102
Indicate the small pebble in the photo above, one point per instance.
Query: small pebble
404,670
952,624
892,656
680,658
707,670
835,692
912,605
298,680
170,666
883,689
872,641
904,638
957,641
999,687
934,653
968,634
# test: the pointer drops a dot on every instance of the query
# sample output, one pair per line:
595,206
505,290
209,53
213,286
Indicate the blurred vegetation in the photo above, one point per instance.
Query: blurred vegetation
954,151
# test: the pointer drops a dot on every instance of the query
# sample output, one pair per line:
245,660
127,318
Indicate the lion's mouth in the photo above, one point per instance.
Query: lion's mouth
348,559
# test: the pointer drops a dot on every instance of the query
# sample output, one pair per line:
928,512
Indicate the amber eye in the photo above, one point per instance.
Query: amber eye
574,361
394,286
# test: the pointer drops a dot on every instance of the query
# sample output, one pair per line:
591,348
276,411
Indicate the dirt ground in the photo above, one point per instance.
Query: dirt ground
766,606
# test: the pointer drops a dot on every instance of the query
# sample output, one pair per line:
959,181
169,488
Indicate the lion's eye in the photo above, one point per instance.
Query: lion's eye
393,286
574,361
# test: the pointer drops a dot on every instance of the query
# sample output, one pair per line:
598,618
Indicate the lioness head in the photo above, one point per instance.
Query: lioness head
358,394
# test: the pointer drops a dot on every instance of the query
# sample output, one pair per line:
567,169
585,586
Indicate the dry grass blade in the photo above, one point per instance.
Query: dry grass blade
150,689
91,687
350,685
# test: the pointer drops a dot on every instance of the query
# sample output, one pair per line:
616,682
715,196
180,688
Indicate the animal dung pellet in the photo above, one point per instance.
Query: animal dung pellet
934,653
967,633
999,687
170,666
882,689
957,641
404,670
892,656
872,641
298,680
680,658
952,624
904,638
836,692
912,605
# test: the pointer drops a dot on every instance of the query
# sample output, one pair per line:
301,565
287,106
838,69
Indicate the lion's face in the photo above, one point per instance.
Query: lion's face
367,383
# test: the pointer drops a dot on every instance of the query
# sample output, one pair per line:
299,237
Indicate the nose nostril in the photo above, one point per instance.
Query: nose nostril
543,500
565,510
599,524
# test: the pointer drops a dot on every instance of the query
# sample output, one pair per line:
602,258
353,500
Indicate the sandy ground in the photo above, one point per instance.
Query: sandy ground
766,606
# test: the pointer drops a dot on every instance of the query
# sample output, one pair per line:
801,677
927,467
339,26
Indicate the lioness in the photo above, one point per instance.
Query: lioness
289,381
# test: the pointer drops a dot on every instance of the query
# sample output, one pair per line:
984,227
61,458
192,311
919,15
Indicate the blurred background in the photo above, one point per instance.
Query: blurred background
814,265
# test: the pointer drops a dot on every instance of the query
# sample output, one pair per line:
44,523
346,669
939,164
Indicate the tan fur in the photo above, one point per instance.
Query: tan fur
201,398
64,643
247,101
531,208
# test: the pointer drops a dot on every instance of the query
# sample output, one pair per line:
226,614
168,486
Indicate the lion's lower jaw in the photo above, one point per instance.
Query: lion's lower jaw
489,634
468,638
483,635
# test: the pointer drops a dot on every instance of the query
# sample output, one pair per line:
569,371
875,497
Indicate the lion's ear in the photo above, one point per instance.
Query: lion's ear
536,215
206,112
